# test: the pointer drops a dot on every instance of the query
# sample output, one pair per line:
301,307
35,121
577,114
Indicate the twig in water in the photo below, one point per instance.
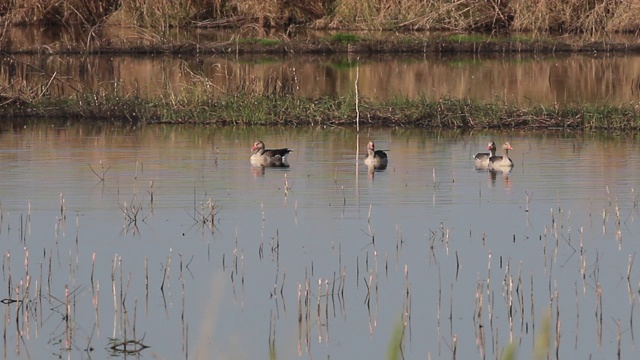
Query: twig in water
104,171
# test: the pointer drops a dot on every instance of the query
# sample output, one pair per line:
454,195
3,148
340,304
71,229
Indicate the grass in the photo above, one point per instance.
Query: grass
264,42
345,38
280,107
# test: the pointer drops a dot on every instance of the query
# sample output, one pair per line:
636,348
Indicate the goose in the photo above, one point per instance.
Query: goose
269,157
498,162
375,158
482,159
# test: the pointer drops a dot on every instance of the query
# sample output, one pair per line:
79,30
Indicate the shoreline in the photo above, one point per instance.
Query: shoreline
362,47
294,110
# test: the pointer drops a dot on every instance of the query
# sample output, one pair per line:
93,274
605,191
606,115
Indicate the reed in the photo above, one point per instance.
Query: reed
572,16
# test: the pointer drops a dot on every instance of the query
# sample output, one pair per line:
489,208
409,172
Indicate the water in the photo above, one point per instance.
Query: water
525,79
429,241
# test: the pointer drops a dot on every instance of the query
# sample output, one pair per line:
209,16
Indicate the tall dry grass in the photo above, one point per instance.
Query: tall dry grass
538,16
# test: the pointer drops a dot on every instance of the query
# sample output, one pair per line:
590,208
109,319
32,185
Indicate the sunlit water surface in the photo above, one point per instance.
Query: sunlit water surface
322,259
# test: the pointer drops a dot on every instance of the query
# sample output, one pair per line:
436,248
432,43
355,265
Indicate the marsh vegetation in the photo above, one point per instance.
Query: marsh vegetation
272,27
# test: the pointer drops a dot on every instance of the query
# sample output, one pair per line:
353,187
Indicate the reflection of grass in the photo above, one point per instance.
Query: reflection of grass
343,63
469,38
266,60
257,41
482,38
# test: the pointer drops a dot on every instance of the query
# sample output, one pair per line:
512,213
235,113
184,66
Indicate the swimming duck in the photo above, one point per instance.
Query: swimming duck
482,159
497,162
269,157
375,158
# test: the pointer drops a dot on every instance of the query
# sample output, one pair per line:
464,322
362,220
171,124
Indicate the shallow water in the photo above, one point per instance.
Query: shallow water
322,259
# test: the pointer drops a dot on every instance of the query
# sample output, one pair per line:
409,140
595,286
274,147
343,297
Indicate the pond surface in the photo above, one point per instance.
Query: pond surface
526,80
187,248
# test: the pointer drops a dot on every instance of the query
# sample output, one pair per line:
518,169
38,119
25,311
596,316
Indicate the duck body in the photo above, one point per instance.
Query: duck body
269,157
482,159
501,162
375,158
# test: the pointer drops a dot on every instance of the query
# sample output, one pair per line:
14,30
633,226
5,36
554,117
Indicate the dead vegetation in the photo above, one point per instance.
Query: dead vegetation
539,17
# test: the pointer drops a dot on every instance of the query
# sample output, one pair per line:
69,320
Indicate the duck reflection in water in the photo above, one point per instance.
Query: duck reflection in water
257,170
372,169
506,180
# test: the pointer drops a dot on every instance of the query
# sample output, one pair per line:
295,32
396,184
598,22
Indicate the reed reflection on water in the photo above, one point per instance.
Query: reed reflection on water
185,247
550,80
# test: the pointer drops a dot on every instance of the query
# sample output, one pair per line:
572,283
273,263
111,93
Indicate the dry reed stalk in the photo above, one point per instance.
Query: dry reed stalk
146,285
357,271
558,325
577,315
96,302
439,311
151,193
307,302
477,319
357,96
113,287
63,209
386,264
630,265
49,275
166,274
451,311
299,304
619,339
284,275
598,313
633,305
68,320
510,307
183,315
326,310
407,300
489,272
372,321
299,319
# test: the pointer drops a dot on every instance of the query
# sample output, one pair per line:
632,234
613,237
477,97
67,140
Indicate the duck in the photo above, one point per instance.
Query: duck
502,162
375,158
482,159
268,157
